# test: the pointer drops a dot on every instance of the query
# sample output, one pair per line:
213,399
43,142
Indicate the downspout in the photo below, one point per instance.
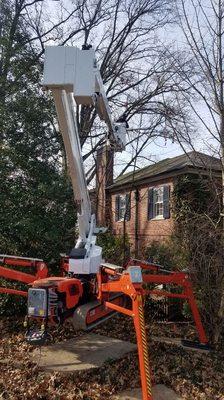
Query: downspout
136,223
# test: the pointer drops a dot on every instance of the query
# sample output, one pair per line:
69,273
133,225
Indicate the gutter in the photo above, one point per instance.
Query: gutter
129,185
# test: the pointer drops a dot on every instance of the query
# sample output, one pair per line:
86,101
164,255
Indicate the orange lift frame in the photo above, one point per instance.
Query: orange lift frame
114,279
151,274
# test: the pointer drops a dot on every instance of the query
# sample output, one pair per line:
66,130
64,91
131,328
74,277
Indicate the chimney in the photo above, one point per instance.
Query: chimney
104,178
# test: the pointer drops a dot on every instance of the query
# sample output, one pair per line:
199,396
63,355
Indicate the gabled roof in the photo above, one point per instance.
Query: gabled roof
192,160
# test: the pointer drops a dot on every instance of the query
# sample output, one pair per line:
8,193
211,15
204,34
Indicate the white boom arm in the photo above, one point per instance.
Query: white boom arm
72,76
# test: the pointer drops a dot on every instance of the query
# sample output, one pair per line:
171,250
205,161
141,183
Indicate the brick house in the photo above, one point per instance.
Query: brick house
143,198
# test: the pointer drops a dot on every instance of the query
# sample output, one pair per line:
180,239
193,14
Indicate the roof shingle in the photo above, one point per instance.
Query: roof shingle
192,159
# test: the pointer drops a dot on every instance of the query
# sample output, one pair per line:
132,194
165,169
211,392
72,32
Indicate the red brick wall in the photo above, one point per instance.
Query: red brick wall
148,230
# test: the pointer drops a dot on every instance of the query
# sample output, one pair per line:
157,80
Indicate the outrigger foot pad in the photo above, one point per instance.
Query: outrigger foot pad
37,338
195,345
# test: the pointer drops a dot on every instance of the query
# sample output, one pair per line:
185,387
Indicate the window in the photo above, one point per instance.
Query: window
122,207
158,202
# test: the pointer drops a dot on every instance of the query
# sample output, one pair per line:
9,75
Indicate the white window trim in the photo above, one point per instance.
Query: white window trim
121,219
158,217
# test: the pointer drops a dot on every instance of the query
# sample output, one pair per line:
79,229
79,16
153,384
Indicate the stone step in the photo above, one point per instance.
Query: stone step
83,353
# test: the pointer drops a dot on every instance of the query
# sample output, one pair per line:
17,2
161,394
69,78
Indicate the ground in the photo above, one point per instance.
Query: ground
192,375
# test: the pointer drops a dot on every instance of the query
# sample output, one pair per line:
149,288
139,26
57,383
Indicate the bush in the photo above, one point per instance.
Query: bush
12,304
159,253
169,254
199,233
114,250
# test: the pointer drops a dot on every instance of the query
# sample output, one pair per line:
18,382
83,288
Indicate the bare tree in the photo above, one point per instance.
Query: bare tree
202,25
202,69
137,70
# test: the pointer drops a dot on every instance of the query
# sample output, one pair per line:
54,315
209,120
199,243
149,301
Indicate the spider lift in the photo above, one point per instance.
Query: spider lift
89,290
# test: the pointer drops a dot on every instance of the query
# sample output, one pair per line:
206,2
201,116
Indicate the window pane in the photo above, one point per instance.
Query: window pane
158,201
122,206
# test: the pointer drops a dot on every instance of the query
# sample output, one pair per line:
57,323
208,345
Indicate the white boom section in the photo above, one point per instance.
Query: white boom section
64,103
72,76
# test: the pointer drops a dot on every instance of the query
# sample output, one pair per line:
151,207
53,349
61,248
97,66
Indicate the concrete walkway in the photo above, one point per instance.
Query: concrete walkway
88,351
160,392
